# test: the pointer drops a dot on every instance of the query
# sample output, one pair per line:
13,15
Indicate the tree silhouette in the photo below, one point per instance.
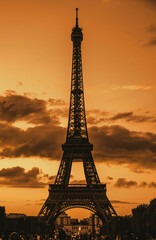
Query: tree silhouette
2,219
139,220
151,218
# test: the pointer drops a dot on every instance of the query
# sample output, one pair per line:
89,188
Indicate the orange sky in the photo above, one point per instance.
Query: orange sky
119,59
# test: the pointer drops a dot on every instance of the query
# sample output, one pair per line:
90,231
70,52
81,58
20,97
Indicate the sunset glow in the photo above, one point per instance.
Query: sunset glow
119,67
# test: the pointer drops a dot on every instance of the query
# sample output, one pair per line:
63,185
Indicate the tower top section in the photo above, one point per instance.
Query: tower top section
77,35
77,128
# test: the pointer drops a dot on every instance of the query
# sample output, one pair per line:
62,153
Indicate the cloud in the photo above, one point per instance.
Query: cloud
109,178
152,185
151,42
43,141
56,102
131,117
133,87
143,184
14,107
121,116
122,202
112,144
122,182
118,145
61,112
94,120
152,3
17,177
98,117
95,116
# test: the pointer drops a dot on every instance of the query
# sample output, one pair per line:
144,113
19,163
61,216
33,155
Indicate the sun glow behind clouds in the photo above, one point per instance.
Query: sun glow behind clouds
23,125
63,122
47,166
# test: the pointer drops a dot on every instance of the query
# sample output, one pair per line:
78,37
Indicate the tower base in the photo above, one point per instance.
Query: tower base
62,198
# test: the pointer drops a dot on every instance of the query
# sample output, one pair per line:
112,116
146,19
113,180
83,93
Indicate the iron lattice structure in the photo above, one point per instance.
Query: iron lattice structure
62,195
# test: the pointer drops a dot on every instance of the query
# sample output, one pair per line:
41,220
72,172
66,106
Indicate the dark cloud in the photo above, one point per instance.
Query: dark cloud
141,171
152,2
151,42
97,117
123,183
14,107
152,30
121,116
122,202
93,120
61,112
17,177
42,141
112,145
56,102
143,184
118,145
152,185
130,116
109,178
51,178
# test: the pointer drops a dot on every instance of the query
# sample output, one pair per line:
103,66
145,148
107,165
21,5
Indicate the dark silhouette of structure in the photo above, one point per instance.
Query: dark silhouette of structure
62,195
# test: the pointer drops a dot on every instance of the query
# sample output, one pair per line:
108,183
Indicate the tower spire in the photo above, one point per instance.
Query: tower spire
77,17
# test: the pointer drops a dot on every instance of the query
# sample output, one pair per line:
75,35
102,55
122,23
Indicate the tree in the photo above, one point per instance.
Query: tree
2,219
139,220
151,218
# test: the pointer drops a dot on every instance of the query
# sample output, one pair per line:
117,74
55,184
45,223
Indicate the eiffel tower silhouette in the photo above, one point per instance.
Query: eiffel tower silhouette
62,195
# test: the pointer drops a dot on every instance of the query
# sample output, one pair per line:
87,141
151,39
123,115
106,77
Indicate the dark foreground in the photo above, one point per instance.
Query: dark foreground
63,236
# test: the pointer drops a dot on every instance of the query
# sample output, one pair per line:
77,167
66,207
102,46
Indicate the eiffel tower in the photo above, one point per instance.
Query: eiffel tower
62,195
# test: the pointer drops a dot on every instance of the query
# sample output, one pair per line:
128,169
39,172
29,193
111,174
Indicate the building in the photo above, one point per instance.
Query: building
63,220
75,227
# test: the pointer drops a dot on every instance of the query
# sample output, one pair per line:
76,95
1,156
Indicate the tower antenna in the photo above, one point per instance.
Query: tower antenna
77,17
